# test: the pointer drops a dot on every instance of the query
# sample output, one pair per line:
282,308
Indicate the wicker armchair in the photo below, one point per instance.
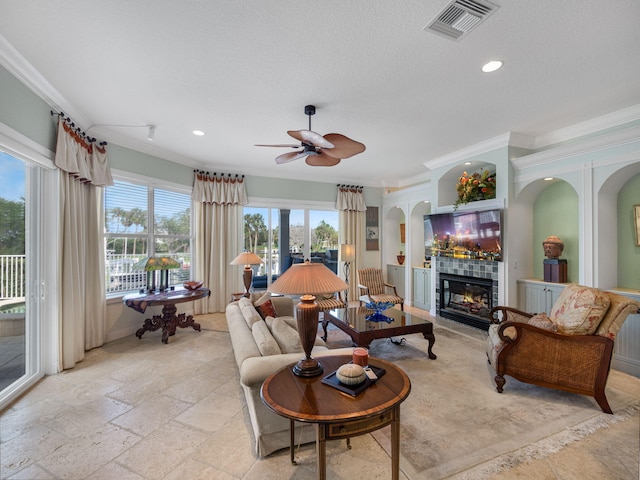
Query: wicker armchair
373,288
569,350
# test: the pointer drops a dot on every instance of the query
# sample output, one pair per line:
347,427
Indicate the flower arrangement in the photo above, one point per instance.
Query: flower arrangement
477,186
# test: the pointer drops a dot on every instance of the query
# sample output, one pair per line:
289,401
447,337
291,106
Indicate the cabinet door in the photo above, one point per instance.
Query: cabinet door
418,286
532,297
553,292
395,276
427,289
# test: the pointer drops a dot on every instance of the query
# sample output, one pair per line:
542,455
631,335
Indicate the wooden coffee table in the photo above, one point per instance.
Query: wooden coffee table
358,324
338,415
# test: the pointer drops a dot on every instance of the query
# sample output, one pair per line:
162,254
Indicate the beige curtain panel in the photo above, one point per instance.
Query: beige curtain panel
84,169
352,219
218,202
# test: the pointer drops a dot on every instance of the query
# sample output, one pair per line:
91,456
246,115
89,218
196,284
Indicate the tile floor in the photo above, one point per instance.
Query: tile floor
138,409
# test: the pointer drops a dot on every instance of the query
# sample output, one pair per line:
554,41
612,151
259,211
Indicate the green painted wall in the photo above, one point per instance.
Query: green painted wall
628,251
555,212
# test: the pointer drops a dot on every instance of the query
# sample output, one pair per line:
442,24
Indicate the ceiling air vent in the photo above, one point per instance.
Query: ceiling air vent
460,17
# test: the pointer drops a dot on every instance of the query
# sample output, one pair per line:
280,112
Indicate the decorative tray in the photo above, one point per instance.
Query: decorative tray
353,390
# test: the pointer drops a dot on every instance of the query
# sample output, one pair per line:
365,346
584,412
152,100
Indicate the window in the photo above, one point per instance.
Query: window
130,210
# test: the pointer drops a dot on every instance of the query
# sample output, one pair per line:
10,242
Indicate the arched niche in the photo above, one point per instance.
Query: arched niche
392,245
616,254
447,194
416,246
541,208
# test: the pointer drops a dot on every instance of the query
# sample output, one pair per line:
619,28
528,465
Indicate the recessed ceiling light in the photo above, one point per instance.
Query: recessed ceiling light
548,179
491,66
198,132
467,163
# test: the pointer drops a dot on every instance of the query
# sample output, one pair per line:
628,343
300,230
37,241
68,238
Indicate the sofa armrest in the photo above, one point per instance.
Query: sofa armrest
502,314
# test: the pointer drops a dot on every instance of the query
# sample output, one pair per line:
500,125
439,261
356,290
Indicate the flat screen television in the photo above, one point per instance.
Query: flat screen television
464,234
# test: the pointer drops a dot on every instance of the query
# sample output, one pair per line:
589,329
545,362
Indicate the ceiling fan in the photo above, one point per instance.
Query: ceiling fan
320,150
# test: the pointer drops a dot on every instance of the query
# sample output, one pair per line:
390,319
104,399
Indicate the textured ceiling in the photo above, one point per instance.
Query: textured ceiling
242,71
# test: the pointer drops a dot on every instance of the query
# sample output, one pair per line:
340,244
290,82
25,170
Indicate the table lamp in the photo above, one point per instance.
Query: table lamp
247,259
306,279
151,265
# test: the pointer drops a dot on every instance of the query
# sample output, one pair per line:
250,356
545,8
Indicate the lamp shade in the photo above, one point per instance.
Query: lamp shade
307,278
156,263
347,252
247,258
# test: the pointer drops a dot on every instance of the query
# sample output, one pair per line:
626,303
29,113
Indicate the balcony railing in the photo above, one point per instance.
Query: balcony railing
12,276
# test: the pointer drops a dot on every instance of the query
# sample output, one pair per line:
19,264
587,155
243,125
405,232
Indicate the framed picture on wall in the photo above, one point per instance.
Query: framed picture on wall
636,223
372,229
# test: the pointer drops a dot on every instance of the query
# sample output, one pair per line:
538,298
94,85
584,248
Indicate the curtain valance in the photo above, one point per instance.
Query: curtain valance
79,157
218,189
351,198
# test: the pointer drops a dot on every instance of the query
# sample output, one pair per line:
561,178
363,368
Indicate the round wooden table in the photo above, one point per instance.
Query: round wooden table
338,415
168,321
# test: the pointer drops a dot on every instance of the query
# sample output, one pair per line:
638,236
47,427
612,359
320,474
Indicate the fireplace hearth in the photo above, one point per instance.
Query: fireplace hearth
466,299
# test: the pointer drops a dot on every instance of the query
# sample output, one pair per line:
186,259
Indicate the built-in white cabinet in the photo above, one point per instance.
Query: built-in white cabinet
395,276
422,288
536,296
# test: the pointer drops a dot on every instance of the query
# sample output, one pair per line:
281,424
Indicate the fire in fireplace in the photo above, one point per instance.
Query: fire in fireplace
466,299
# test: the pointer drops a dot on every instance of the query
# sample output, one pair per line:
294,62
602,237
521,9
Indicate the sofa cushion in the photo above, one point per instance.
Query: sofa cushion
579,310
286,336
249,312
264,340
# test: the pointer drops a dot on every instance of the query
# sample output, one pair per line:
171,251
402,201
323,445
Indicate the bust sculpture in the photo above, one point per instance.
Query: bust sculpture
553,247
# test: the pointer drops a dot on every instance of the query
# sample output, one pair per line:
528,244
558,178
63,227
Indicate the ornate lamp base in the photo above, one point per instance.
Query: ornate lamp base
307,313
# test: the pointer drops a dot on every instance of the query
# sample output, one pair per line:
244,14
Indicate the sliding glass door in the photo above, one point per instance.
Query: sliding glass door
282,236
18,274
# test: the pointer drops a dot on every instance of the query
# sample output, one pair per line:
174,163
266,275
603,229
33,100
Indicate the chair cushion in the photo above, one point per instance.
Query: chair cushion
264,340
541,320
579,310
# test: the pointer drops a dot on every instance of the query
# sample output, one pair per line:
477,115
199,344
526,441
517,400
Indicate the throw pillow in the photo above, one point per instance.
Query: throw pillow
287,337
266,309
264,340
579,310
543,322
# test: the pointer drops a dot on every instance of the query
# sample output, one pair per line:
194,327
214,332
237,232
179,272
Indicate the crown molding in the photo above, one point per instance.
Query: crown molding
561,153
589,127
18,66
509,139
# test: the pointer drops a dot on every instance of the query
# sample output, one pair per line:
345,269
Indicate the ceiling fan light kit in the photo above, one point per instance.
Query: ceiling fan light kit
319,150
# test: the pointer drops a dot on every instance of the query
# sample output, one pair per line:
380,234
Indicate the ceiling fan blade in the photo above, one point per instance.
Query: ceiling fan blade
290,157
321,159
313,138
289,145
344,146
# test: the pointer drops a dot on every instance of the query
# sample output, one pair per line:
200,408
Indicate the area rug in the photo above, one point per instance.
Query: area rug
455,425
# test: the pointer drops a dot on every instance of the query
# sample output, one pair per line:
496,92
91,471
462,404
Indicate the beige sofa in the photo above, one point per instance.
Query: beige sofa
261,347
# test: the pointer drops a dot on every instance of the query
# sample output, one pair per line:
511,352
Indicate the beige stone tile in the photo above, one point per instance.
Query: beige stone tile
86,454
230,449
13,422
112,471
194,470
32,444
199,385
162,451
212,412
151,414
32,472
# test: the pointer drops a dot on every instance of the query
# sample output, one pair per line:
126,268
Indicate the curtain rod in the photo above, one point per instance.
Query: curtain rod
214,173
78,130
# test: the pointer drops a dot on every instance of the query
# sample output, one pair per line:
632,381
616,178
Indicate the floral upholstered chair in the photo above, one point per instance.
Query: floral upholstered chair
374,289
569,350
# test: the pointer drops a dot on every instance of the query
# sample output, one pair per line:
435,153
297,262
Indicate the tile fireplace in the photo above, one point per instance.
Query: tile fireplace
466,290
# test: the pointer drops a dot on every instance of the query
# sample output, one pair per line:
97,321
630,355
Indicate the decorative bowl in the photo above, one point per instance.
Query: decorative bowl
192,285
379,306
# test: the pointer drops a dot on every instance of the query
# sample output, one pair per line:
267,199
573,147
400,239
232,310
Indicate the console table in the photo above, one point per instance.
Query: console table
168,321
335,414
